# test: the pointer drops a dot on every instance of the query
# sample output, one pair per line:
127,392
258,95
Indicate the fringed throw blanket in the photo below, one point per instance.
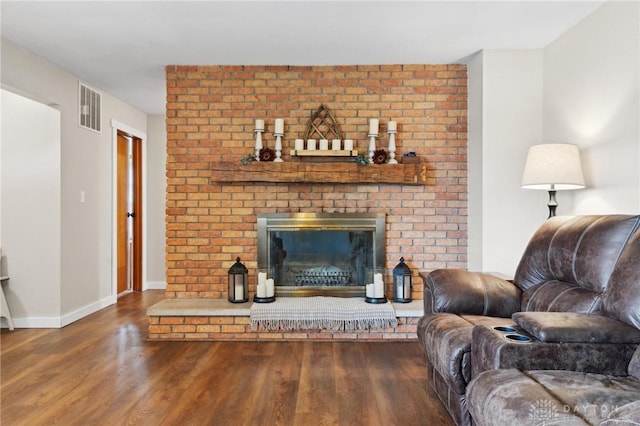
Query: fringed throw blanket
315,313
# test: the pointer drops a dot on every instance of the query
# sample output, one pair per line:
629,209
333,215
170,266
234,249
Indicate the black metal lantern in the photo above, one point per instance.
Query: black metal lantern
238,283
402,282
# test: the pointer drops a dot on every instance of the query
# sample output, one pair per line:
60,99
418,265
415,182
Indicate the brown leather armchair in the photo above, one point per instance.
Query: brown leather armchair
576,300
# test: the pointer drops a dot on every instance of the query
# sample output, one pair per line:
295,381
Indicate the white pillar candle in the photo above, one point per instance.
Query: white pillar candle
324,144
259,124
348,145
279,125
369,290
270,288
378,286
299,145
335,144
373,126
392,126
261,290
239,292
262,277
311,144
378,290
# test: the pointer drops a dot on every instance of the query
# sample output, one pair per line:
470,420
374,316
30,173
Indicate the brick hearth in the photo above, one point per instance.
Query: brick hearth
211,111
217,319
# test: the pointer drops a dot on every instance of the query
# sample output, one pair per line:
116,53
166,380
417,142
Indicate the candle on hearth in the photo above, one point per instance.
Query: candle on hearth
239,291
335,144
378,286
260,125
261,290
369,290
378,290
299,145
348,145
324,144
262,277
373,126
270,288
392,126
311,144
279,126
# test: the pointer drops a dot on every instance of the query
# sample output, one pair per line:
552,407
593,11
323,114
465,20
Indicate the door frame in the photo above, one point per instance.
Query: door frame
115,126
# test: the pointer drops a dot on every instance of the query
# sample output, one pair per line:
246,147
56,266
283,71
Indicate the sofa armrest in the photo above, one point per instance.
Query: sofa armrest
472,293
571,327
493,348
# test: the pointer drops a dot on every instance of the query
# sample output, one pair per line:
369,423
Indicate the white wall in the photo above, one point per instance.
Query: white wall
30,191
156,193
505,118
584,89
86,282
591,99
475,229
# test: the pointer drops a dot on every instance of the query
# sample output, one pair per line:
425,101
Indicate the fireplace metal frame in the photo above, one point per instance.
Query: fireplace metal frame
322,221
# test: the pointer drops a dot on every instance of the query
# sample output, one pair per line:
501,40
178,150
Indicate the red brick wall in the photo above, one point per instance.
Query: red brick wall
239,328
211,111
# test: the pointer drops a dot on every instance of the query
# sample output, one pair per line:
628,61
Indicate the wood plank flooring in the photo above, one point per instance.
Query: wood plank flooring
101,371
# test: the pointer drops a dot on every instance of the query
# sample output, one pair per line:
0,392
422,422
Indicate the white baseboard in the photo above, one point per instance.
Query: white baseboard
59,322
33,322
154,285
87,310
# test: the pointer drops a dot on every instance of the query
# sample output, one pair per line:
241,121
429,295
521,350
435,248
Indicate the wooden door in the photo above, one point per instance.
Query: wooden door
122,213
129,213
137,209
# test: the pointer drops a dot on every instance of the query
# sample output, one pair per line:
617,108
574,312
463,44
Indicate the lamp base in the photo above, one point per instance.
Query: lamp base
552,204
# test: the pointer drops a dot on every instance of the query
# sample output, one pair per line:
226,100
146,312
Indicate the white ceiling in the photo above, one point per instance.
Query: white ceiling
122,47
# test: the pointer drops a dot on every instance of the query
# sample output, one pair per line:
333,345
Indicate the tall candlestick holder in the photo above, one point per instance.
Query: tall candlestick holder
372,146
278,147
392,146
258,133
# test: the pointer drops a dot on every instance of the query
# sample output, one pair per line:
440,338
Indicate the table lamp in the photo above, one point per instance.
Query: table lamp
553,167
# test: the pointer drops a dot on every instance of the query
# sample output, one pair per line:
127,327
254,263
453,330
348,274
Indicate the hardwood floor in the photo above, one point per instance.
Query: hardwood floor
91,374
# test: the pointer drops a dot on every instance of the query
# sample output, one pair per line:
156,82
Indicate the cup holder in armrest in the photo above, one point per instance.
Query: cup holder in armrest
512,334
518,338
505,329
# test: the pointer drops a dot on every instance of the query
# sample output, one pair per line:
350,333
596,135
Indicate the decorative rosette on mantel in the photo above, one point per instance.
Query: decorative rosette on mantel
379,156
267,154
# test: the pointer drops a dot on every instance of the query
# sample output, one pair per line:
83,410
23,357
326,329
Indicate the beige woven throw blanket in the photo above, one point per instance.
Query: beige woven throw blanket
320,312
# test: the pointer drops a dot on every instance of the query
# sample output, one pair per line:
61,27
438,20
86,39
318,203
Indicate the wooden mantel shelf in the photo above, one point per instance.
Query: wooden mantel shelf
300,172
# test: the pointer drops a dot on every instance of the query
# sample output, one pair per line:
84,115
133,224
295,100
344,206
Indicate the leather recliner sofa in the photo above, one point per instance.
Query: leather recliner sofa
574,304
555,397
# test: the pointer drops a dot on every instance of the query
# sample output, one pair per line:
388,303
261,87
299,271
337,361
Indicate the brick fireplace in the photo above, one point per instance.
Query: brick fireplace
211,111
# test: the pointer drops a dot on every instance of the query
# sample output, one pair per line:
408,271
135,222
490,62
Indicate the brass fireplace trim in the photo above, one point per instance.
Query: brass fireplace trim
328,221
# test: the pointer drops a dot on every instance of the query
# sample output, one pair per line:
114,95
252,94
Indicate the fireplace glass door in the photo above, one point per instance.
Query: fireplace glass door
320,253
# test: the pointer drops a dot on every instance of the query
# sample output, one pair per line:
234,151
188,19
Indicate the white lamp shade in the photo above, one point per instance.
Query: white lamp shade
553,167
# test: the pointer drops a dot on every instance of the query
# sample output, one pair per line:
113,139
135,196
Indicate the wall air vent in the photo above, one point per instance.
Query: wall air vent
90,108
